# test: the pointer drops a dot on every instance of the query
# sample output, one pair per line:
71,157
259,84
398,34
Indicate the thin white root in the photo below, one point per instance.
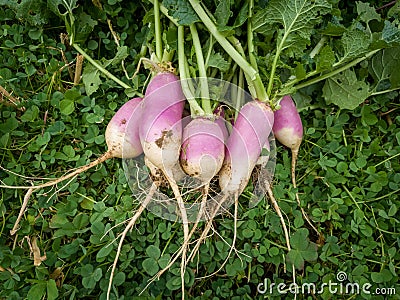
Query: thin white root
293,173
207,229
124,233
21,211
82,169
285,230
185,223
232,247
186,242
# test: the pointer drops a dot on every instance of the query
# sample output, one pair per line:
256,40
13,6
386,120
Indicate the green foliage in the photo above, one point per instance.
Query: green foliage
182,11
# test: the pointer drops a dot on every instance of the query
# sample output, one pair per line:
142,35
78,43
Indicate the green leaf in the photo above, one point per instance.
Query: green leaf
394,11
297,17
30,114
379,277
355,42
84,27
33,11
153,252
345,90
103,252
87,203
67,106
122,53
391,34
299,239
223,12
43,139
62,7
52,291
303,249
37,291
392,211
325,59
164,260
217,61
384,68
366,12
91,278
119,278
91,79
150,266
182,11
9,125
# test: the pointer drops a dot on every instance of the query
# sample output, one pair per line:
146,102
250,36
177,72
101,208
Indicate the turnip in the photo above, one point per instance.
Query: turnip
243,148
203,147
249,134
288,130
160,128
160,133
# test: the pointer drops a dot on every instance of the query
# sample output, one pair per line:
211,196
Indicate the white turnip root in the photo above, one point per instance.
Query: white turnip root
288,130
160,133
202,155
122,133
160,129
202,151
243,148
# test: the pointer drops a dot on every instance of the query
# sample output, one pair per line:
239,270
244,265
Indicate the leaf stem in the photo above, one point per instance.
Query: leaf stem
318,47
239,59
275,63
385,91
336,71
250,43
157,29
100,68
204,92
194,106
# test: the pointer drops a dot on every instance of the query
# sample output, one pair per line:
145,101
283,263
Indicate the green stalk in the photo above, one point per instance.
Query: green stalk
240,93
209,52
204,92
157,29
239,59
318,47
336,71
250,44
275,63
100,68
240,49
194,106
384,92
